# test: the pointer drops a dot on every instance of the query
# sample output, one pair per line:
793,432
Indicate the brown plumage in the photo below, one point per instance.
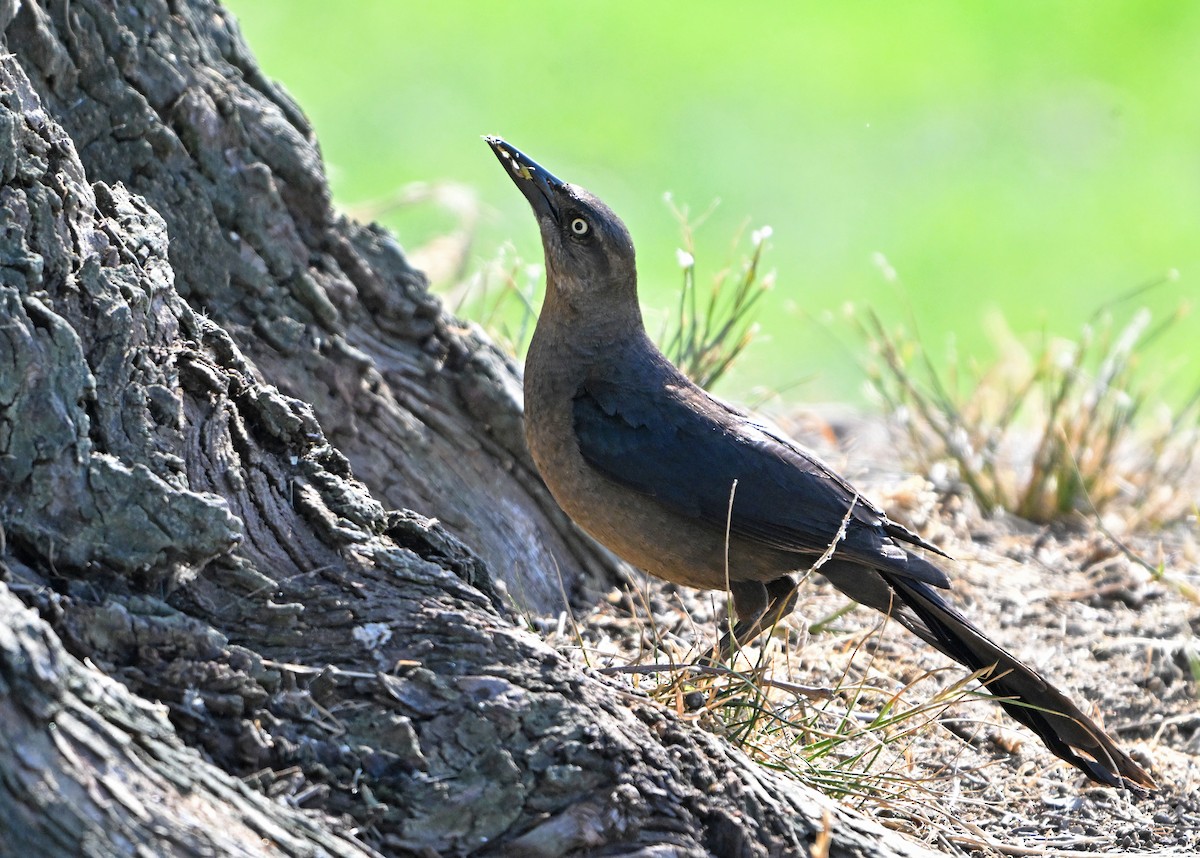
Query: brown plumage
692,490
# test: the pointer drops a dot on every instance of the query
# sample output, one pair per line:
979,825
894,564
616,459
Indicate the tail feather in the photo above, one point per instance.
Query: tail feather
1026,695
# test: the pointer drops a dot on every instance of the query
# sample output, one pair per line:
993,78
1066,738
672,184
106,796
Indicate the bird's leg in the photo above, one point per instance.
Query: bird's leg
750,602
782,593
758,607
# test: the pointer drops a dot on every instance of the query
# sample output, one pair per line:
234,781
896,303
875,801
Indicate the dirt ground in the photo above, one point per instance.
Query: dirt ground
1123,641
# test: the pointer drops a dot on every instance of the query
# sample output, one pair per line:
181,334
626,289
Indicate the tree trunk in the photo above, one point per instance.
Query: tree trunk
214,394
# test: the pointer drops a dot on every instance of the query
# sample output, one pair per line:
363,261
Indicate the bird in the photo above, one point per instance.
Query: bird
692,490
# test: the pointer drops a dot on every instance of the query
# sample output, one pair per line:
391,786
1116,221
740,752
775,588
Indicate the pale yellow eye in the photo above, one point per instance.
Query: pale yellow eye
579,226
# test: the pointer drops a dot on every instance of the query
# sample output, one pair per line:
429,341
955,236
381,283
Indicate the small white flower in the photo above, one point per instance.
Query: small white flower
885,267
760,235
686,260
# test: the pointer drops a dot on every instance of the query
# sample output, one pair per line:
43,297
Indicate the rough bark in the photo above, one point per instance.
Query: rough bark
242,456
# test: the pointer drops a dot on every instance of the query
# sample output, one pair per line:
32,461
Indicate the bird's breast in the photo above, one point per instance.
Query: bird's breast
633,525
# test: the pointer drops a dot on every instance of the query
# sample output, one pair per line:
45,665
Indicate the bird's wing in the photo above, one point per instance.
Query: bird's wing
686,450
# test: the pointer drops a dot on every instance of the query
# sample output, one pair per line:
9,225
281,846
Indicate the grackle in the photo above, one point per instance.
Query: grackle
692,490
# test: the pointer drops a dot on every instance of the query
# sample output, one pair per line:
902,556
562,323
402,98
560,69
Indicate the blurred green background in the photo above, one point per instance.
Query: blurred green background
1029,157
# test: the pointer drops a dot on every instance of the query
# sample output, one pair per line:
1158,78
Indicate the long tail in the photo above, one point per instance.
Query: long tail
1032,700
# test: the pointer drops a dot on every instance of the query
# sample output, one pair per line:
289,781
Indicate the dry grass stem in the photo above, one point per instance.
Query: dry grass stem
1050,430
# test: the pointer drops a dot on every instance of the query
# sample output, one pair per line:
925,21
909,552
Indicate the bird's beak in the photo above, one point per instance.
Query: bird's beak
538,185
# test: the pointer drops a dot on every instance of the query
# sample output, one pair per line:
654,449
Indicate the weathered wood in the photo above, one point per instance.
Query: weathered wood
214,393
91,770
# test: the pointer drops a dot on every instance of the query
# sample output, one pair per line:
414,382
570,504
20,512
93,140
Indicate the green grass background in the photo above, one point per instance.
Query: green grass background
1034,157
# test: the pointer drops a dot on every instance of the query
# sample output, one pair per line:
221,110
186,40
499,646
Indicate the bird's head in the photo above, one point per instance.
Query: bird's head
590,267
